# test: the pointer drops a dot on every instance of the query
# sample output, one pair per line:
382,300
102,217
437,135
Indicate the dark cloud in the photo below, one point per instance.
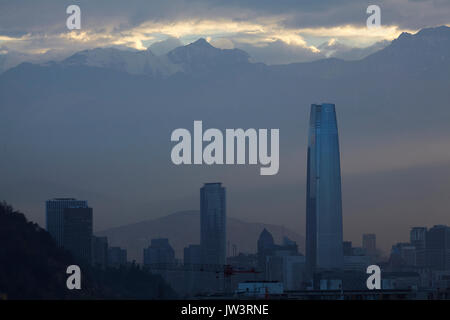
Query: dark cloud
45,20
49,15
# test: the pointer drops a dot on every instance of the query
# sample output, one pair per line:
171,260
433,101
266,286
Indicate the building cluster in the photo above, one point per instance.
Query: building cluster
70,223
331,267
204,263
424,261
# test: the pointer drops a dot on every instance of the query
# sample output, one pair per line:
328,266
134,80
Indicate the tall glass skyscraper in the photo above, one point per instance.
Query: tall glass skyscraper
213,224
323,200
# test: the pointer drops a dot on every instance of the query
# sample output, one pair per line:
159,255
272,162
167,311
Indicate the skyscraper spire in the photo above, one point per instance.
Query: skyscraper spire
323,201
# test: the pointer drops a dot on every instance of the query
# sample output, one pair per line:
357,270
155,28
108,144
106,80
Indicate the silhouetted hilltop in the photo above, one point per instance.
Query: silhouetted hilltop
33,267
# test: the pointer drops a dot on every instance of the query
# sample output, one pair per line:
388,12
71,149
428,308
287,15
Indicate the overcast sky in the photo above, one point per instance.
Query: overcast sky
271,31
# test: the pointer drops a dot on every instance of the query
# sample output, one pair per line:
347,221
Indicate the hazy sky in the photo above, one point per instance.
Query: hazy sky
401,176
271,31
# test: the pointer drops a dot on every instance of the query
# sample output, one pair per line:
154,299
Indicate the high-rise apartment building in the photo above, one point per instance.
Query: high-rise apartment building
369,244
417,237
213,223
100,251
438,248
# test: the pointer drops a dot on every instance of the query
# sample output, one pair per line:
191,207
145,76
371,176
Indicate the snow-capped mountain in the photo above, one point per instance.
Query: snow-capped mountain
202,56
424,46
133,62
196,57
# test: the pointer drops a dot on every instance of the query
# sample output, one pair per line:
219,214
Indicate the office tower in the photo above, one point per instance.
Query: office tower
403,254
54,215
265,240
288,269
265,246
159,252
323,201
117,257
347,248
213,223
281,262
417,237
100,251
192,255
438,248
369,243
77,233
193,276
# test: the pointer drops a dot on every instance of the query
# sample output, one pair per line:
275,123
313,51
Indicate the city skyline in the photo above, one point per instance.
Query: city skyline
425,258
212,150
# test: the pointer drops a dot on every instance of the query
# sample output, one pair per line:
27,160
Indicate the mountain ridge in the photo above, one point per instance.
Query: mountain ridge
200,55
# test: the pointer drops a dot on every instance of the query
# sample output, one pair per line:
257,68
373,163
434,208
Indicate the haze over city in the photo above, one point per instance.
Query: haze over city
100,129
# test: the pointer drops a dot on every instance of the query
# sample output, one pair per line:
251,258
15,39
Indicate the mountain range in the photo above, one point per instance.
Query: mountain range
198,56
97,126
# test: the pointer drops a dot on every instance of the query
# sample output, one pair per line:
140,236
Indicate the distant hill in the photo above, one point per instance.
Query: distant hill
183,228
